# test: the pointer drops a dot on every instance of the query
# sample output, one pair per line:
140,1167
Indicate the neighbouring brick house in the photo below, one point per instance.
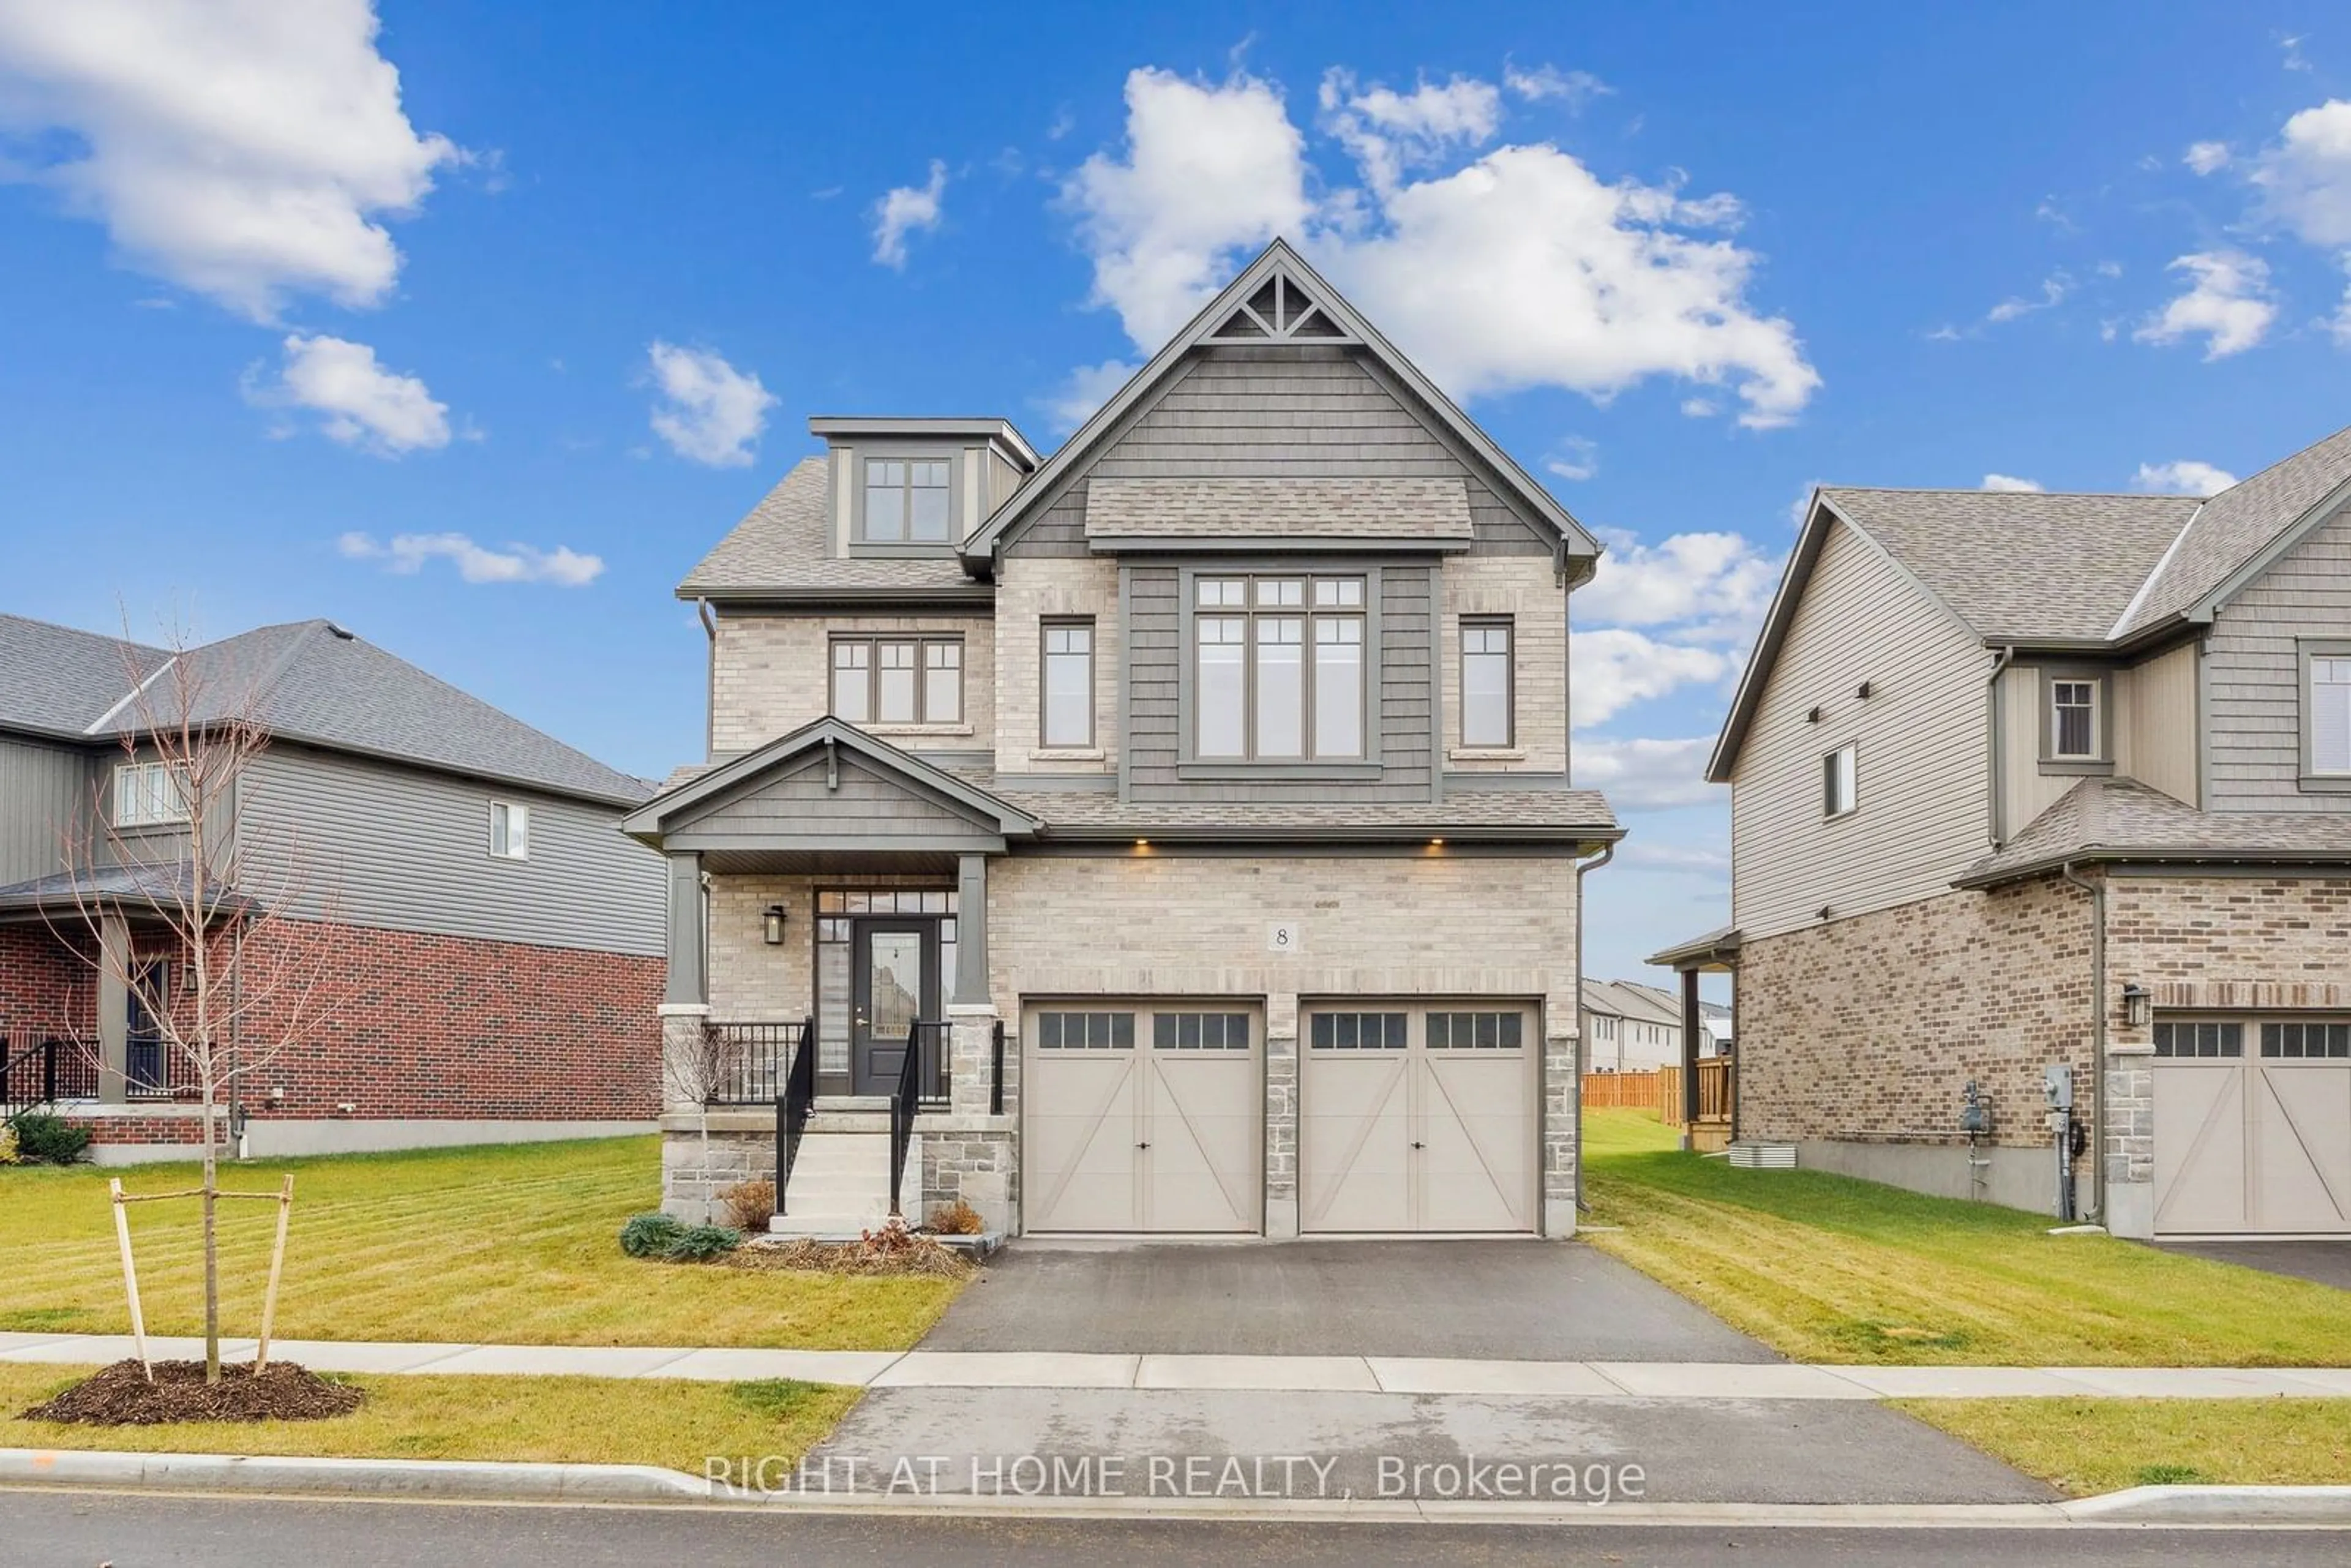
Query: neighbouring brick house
495,941
2024,781
1189,809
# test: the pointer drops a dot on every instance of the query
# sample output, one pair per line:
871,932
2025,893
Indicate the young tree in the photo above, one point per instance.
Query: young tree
170,865
692,1071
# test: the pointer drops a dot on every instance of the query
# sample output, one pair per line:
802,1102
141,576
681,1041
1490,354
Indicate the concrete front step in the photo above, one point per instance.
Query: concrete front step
841,1180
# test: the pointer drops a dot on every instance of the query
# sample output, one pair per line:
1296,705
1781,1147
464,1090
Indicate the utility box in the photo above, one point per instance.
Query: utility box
2058,1086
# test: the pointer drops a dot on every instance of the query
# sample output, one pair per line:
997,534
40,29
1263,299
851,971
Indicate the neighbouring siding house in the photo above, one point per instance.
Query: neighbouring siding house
1190,809
494,943
2025,782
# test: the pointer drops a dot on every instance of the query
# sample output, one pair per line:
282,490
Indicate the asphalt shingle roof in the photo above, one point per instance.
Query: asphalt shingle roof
306,681
2023,564
781,545
2122,818
1433,510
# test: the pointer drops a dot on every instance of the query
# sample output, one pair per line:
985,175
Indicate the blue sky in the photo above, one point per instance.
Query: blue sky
474,330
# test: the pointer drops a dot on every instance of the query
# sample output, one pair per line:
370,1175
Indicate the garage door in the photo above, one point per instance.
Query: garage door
1142,1116
1417,1118
2252,1126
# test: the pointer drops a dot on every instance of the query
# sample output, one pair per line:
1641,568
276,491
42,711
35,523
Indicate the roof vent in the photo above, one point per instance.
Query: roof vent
343,632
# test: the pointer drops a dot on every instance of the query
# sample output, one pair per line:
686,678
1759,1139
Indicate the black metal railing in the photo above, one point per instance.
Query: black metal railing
921,1086
793,1106
38,1075
749,1062
153,1069
996,1072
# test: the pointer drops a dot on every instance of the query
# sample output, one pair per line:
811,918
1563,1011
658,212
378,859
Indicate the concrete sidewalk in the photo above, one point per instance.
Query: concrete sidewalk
1548,1380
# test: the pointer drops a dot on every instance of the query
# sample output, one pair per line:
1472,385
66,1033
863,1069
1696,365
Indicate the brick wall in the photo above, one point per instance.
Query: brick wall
1029,588
1868,1028
2226,943
771,675
1526,590
44,988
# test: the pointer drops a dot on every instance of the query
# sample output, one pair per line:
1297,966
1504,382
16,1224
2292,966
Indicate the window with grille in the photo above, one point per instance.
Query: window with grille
2074,721
1474,1031
1357,1031
898,680
1200,1031
2331,1039
1066,710
908,501
1277,668
1486,717
148,793
2199,1040
1087,1031
2328,722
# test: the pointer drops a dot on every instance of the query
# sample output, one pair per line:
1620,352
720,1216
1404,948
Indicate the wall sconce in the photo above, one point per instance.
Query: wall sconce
771,925
2139,1006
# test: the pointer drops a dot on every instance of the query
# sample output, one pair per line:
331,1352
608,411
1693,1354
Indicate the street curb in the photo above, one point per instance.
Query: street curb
623,1484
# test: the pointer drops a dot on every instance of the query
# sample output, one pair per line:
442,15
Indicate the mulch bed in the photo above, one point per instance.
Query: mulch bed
121,1396
890,1250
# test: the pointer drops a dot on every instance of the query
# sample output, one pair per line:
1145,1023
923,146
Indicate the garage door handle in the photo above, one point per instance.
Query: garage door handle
1142,1145
1419,1144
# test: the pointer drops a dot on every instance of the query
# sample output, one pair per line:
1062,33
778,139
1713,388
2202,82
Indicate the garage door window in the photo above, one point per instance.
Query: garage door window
2199,1040
1086,1031
2306,1039
1473,1031
1200,1031
1358,1031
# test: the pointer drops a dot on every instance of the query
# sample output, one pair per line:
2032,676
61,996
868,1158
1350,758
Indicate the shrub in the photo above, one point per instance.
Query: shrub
750,1204
650,1235
675,1241
45,1140
8,1155
956,1219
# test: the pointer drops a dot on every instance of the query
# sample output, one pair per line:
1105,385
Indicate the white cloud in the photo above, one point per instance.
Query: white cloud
1715,586
908,210
1209,173
2338,326
407,553
2291,45
2053,290
1575,458
2205,157
1520,268
248,152
1801,508
2008,482
2229,302
361,403
1699,408
1087,389
1574,89
2305,178
1387,131
1611,669
2183,478
1640,775
708,411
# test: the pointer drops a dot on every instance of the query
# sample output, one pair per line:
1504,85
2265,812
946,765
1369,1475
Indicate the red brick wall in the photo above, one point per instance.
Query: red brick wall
44,988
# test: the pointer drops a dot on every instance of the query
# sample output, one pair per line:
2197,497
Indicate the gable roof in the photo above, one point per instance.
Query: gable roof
306,681
1233,315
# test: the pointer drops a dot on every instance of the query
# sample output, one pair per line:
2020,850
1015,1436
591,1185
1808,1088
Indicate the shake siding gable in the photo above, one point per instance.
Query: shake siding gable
2255,676
1922,746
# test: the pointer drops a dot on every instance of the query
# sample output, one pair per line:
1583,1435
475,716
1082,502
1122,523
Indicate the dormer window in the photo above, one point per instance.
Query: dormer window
2073,722
909,501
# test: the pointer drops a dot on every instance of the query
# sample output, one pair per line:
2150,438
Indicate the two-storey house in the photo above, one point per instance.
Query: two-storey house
479,945
1178,828
2025,782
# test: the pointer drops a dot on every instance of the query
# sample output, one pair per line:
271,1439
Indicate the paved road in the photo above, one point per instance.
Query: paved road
2327,1262
76,1529
1517,1301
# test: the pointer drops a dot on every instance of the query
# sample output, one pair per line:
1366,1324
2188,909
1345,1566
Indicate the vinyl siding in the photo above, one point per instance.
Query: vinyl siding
45,794
401,849
2155,735
2255,678
2026,791
1922,741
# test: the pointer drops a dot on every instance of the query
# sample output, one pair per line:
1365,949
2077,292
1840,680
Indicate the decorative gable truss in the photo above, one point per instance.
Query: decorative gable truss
1279,311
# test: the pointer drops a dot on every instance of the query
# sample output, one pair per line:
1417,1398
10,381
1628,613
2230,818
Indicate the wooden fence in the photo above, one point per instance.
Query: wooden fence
1660,1091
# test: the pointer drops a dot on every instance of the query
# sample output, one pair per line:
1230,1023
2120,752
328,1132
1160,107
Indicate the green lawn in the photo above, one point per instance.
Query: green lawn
554,1420
2084,1446
511,1244
1824,1267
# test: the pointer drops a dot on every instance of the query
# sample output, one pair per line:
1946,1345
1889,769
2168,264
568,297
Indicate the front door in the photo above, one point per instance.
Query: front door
143,1064
894,982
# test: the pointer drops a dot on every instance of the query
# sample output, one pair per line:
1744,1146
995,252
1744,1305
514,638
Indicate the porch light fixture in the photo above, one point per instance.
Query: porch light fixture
1437,844
771,925
2139,1006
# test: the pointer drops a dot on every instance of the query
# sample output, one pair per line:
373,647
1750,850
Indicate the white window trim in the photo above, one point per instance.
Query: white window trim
516,811
147,773
1852,782
2099,758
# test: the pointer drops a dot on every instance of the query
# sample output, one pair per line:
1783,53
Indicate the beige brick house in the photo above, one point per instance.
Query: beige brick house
2023,782
1172,835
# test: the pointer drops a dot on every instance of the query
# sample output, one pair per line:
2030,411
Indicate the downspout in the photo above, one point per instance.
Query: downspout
1993,720
1582,1046
2097,892
709,682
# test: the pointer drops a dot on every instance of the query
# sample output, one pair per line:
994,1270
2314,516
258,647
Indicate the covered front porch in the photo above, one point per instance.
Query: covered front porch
827,1024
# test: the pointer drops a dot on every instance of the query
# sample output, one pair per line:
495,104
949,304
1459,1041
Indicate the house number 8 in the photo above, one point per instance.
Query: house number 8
1281,936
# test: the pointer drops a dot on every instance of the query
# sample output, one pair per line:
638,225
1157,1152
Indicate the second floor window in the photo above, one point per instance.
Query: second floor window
149,793
907,501
1277,668
510,831
1841,781
2330,715
2073,720
1486,683
1067,704
898,680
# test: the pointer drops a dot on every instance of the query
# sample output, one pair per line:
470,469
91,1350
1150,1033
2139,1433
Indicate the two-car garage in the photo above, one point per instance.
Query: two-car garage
1153,1115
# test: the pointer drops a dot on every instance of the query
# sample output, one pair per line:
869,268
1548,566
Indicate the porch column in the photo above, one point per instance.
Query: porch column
113,1007
1692,1022
971,932
689,978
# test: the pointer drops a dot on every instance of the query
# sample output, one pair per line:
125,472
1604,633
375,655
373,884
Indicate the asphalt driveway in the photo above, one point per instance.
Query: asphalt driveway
2326,1262
1508,1300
